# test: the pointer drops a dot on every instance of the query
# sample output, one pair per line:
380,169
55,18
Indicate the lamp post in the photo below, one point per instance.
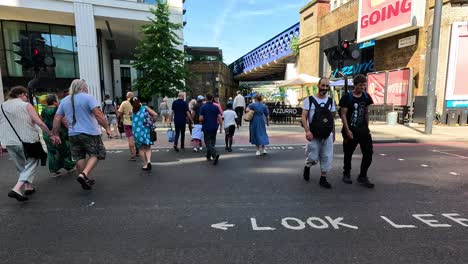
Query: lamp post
433,67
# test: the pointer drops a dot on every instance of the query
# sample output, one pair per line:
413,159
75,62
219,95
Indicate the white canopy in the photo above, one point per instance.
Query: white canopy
301,79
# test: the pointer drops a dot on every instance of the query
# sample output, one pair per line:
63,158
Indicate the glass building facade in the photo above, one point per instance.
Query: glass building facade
60,43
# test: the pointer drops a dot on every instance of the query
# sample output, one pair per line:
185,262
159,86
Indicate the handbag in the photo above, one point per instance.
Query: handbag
31,150
153,135
249,116
170,134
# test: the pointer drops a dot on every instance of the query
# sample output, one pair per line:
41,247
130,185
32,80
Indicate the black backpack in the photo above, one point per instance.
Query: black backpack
109,108
323,120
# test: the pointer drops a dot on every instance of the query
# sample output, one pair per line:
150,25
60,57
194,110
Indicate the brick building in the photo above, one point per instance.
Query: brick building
323,24
208,73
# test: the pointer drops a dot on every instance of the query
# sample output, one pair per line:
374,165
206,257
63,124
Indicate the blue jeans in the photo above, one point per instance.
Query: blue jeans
26,168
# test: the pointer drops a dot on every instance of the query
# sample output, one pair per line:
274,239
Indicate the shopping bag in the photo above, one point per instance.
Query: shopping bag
170,134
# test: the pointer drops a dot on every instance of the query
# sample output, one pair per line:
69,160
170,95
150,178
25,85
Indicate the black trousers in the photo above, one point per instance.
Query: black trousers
210,142
367,149
179,131
239,111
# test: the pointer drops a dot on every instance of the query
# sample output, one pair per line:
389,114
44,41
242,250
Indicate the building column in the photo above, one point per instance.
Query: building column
291,71
2,98
87,47
107,70
117,79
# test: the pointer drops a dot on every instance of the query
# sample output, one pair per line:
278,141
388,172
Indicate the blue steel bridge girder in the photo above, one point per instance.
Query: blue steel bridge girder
276,48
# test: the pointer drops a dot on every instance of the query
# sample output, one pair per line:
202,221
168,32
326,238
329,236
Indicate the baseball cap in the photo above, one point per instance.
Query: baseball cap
200,97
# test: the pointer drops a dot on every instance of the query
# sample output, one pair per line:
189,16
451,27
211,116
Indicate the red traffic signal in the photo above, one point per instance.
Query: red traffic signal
36,52
345,44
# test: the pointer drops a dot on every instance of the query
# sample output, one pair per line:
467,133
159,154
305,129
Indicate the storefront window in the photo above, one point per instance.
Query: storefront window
11,33
60,42
62,39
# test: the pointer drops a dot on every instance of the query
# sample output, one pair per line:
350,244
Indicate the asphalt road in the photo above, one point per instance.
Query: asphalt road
416,214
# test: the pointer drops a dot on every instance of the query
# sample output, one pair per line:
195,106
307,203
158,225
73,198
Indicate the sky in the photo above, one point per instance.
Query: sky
237,26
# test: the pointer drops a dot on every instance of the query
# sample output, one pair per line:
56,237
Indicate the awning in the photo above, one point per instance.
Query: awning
341,83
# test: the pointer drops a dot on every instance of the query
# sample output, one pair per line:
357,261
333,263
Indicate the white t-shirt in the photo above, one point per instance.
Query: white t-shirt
305,106
229,117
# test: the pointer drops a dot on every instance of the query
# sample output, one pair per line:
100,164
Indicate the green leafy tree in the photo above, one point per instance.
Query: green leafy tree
295,46
157,57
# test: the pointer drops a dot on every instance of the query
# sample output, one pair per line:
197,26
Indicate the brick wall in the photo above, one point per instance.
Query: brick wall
202,79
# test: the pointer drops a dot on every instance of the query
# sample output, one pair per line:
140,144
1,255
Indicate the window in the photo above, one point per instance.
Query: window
60,42
11,33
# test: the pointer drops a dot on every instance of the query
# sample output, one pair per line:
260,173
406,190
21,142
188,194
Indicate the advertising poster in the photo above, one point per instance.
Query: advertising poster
376,87
398,87
380,17
457,83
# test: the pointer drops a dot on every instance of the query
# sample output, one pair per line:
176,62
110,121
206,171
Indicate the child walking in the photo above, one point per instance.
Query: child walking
230,118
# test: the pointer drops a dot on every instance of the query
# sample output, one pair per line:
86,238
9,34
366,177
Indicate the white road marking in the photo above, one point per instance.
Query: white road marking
383,155
424,165
222,225
454,173
450,154
401,159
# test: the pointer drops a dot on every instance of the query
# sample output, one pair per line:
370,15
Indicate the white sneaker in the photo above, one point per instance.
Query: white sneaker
264,152
201,148
195,150
258,153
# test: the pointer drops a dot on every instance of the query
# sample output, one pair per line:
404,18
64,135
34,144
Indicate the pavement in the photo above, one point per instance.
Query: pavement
287,135
245,210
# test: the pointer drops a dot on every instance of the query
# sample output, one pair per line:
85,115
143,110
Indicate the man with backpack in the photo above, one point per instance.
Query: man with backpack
318,120
355,117
109,109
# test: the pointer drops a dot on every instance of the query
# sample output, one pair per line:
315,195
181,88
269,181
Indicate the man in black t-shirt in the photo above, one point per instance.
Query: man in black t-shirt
354,114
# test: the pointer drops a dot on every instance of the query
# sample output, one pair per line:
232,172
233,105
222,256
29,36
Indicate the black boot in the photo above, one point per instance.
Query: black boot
364,181
306,174
347,179
324,183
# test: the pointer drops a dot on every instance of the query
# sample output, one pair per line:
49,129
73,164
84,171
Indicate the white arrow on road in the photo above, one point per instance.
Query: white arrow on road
222,225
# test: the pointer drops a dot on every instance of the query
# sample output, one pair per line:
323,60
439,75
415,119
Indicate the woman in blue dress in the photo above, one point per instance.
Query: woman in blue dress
257,128
142,124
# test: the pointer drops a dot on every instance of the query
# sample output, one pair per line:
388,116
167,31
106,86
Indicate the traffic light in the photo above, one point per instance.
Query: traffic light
345,50
24,51
39,55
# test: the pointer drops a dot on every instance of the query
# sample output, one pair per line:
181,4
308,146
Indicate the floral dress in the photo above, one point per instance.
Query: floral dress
141,130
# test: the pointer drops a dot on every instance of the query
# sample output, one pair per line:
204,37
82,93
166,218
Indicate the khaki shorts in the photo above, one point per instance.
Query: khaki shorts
83,144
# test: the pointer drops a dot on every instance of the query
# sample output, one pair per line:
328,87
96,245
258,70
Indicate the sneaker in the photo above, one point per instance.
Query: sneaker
258,153
230,150
19,197
226,148
364,181
216,158
201,148
264,152
195,150
306,173
324,183
176,148
347,179
56,174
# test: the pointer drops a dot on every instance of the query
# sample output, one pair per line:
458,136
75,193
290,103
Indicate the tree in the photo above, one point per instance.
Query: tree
158,59
295,46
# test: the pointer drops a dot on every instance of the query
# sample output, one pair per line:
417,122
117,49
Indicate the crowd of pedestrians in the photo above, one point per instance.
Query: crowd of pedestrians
72,130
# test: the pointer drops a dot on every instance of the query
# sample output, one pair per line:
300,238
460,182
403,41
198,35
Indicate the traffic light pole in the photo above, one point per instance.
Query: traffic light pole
31,85
433,67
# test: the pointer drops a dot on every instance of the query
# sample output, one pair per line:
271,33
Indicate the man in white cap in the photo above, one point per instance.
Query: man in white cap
239,107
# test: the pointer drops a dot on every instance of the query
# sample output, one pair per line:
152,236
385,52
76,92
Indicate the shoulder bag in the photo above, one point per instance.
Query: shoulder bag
249,115
31,150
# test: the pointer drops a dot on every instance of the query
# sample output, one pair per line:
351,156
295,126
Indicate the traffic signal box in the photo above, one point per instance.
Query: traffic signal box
33,53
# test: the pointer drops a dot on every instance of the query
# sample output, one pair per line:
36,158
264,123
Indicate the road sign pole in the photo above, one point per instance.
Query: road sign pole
433,66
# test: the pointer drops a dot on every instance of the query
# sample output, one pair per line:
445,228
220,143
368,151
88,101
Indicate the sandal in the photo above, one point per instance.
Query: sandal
83,180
